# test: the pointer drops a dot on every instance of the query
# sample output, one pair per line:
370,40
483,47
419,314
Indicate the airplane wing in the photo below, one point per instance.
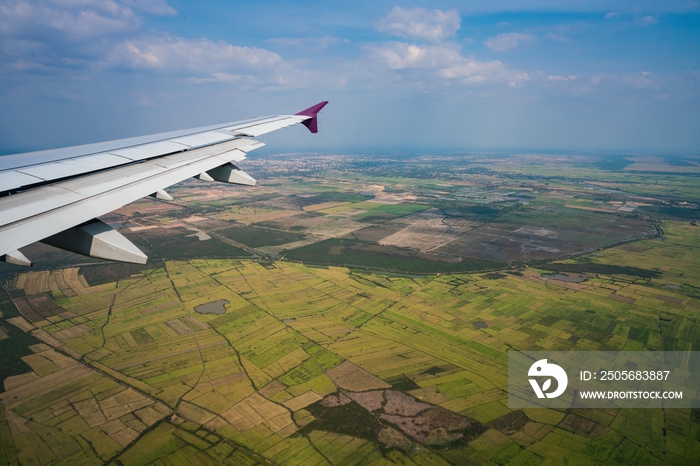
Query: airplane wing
55,196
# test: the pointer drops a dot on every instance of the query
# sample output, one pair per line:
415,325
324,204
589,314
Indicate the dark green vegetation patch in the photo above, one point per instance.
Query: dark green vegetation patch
604,269
177,243
256,237
332,196
402,383
346,251
349,419
141,336
109,272
475,211
674,213
15,346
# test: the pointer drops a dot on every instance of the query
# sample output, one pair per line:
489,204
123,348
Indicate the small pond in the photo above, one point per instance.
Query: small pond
215,307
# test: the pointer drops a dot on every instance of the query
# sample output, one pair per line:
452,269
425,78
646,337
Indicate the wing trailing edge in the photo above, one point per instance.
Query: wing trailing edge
55,197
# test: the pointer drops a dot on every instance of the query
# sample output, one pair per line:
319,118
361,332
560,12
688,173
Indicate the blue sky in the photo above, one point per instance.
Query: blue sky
619,76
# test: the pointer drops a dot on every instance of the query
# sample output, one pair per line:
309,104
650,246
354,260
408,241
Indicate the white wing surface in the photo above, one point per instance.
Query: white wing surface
55,196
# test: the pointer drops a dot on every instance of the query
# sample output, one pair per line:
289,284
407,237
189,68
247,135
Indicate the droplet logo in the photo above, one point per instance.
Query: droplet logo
542,368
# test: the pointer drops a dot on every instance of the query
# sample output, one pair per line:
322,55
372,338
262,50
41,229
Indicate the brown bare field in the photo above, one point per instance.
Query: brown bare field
71,332
371,401
248,215
492,243
425,231
256,410
35,282
26,310
337,399
391,199
60,360
179,327
194,413
44,385
351,377
158,308
285,223
76,284
167,356
582,426
422,241
429,422
376,233
302,401
18,380
622,299
18,425
320,225
21,323
272,389
149,415
237,377
323,205
198,323
125,436
669,299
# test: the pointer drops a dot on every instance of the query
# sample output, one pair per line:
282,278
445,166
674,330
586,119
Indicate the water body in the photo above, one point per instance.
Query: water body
480,324
215,307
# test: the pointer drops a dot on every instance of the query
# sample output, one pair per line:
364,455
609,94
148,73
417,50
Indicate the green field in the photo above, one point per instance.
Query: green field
369,325
289,326
346,251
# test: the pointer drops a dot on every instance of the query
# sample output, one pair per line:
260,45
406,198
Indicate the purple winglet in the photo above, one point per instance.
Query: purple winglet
312,112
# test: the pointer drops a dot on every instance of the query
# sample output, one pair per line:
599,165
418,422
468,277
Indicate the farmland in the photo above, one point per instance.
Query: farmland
352,331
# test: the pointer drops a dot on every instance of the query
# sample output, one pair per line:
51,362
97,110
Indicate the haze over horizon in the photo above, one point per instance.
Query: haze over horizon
593,76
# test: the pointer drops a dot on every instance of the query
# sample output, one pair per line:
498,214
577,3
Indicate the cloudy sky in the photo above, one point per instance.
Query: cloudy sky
618,75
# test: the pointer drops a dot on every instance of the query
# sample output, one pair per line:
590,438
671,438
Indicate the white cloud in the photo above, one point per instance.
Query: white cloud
62,34
26,65
646,21
217,77
471,71
561,78
508,41
154,7
201,56
445,62
571,83
612,14
420,24
399,55
642,80
65,19
308,42
86,36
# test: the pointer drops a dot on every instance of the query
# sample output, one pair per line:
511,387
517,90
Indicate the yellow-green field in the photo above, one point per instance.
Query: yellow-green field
129,373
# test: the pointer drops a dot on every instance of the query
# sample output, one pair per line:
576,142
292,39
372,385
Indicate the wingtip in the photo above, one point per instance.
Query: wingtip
312,112
314,109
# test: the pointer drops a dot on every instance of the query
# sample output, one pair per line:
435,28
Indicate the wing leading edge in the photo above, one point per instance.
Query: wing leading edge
56,196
